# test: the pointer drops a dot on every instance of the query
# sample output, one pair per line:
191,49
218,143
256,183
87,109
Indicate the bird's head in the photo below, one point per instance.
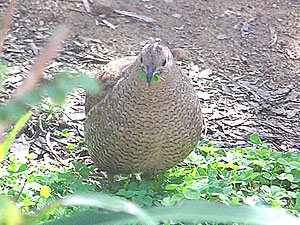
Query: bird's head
156,60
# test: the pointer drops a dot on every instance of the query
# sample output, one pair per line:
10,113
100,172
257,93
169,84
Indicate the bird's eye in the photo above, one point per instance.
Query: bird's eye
164,62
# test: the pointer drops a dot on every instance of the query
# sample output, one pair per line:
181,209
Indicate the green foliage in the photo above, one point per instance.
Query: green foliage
232,176
255,139
237,176
187,211
143,75
57,90
43,184
144,194
257,177
107,202
124,212
50,108
156,77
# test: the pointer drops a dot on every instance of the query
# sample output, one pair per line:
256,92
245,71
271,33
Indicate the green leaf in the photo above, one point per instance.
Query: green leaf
148,201
22,168
77,165
187,211
171,187
171,200
56,94
155,78
267,175
290,177
143,75
192,194
282,176
127,194
139,200
297,205
282,161
296,174
254,138
88,83
28,202
235,202
9,140
97,200
84,172
45,191
294,164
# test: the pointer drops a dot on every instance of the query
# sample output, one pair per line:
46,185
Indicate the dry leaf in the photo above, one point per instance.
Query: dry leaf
180,54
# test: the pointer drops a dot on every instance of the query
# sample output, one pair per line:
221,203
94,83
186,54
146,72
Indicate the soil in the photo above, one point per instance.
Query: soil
244,60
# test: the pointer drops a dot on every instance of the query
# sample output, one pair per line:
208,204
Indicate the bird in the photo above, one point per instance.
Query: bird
147,117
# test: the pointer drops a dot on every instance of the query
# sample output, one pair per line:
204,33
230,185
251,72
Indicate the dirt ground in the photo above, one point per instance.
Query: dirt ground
244,59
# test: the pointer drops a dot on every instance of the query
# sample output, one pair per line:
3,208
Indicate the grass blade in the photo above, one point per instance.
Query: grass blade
9,140
98,200
205,211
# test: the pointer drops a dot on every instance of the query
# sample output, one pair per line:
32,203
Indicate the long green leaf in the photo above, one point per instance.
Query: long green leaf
9,140
189,211
9,213
205,211
125,212
57,89
97,200
93,217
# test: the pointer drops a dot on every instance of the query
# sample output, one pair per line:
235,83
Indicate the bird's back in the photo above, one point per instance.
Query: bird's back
107,79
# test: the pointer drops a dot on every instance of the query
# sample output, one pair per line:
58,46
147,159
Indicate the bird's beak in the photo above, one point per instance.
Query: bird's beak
150,72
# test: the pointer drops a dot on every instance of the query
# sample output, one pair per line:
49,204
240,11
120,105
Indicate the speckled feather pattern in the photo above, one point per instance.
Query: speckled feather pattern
107,78
135,128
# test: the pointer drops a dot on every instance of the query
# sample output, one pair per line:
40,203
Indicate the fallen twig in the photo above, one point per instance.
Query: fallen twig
273,36
78,10
136,16
87,6
50,146
16,197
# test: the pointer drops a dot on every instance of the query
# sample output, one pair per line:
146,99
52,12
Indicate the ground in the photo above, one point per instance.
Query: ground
244,61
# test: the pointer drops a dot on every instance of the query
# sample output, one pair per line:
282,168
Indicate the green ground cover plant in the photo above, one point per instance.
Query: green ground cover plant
255,177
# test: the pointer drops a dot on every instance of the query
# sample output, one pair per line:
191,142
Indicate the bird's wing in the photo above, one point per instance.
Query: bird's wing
107,79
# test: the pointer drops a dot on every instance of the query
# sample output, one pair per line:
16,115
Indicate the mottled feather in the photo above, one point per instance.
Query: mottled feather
136,126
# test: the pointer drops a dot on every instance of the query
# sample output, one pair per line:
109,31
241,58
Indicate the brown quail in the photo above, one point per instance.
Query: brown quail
147,117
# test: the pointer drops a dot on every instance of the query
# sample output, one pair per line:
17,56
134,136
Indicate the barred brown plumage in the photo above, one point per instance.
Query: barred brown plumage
142,125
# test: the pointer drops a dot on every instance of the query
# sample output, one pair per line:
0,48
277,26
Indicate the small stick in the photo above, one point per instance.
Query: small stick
16,198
